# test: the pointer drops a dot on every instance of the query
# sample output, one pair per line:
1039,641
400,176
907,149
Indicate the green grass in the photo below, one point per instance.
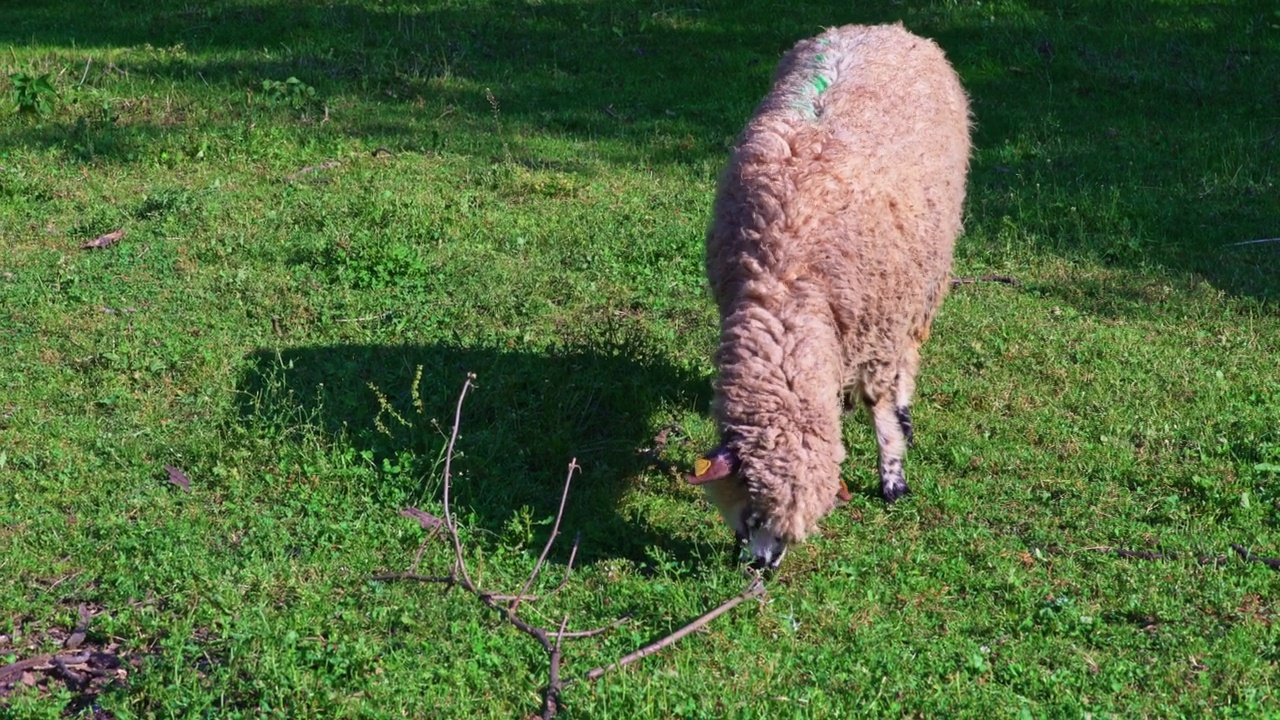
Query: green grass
535,216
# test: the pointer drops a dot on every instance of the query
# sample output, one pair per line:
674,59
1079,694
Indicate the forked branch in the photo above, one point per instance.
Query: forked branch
507,606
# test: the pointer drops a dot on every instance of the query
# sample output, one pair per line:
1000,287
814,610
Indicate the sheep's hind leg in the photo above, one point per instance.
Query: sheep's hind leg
891,434
904,421
904,388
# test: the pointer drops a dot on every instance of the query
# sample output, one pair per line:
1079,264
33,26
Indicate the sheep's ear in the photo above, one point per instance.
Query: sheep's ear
717,464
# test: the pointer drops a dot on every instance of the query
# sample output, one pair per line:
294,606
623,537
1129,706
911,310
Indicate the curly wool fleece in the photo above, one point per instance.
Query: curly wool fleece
828,255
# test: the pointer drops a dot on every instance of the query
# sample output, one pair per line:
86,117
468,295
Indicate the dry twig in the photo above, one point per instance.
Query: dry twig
755,589
555,531
459,565
1273,563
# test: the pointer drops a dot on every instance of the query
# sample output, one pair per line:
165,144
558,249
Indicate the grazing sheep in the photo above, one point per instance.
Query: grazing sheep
828,255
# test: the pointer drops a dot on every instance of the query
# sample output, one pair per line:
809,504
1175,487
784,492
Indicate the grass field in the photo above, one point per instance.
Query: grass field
321,200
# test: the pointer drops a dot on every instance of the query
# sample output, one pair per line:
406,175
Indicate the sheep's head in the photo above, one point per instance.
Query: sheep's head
717,474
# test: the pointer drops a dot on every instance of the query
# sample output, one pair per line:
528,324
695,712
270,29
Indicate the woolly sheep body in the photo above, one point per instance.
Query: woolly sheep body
828,254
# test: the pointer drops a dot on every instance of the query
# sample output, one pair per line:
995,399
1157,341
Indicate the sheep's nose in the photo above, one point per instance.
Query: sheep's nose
767,550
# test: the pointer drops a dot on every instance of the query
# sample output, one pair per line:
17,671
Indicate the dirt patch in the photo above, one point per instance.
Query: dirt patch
82,664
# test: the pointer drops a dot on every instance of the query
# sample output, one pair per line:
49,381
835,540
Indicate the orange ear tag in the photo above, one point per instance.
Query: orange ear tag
701,466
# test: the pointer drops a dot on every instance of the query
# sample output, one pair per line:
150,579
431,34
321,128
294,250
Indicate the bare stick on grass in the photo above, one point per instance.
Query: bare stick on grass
1273,563
459,565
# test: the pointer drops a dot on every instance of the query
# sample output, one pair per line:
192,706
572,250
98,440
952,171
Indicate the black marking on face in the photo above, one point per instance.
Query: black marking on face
769,557
763,562
904,420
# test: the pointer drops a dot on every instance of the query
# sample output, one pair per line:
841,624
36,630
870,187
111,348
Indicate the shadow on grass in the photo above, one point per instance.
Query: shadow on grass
527,416
613,70
1137,135
1130,136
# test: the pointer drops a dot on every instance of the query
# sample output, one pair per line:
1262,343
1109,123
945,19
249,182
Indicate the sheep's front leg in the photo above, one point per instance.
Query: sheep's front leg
891,434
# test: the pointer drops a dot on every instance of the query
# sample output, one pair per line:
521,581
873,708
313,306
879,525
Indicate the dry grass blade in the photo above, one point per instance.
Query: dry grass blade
1003,279
1260,241
593,632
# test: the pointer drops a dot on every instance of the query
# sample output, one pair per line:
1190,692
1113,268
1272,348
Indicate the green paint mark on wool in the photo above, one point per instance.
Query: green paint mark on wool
806,103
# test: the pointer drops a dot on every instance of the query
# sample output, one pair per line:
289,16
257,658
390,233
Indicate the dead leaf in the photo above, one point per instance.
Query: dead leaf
843,495
79,633
179,478
425,519
103,241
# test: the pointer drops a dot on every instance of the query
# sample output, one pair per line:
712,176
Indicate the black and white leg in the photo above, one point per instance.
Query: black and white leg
904,388
904,421
891,435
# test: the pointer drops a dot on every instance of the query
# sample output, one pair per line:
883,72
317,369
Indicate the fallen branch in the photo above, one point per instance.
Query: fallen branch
507,606
1005,279
459,575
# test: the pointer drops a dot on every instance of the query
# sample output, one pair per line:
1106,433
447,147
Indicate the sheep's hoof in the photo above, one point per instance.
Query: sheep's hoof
894,492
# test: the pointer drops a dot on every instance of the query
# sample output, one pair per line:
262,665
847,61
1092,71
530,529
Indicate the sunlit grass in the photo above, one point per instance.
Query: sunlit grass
519,189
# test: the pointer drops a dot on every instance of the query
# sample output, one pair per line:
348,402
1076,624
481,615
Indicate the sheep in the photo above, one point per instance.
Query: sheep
828,255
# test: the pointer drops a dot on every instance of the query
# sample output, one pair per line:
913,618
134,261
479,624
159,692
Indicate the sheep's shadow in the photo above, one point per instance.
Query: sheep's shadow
527,416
